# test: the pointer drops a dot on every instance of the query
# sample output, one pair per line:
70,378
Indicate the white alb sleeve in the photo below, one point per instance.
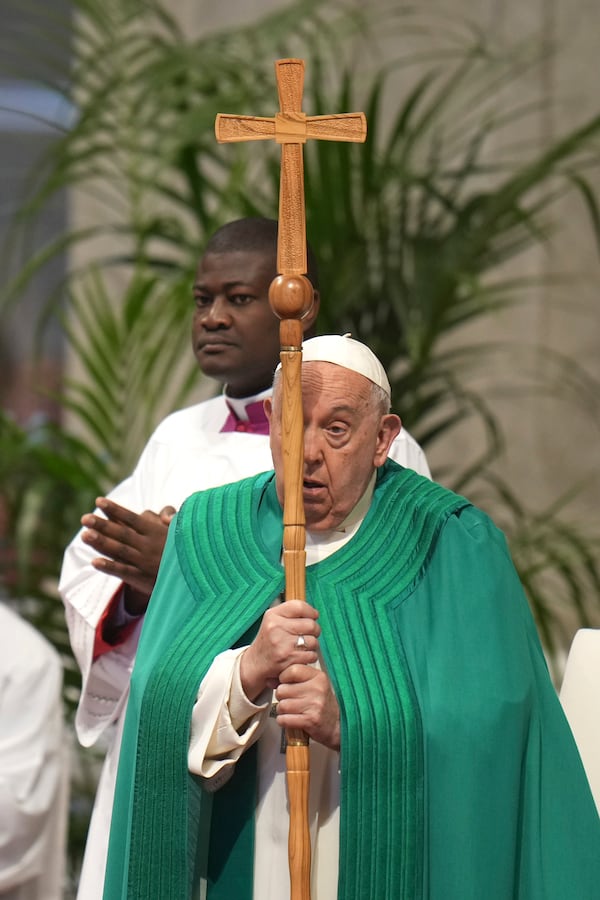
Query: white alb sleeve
225,723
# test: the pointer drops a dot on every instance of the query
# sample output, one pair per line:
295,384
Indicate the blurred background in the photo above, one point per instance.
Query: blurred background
461,242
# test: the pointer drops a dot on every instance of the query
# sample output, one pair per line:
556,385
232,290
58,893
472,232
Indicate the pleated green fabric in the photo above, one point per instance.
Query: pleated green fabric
458,769
219,549
356,594
158,811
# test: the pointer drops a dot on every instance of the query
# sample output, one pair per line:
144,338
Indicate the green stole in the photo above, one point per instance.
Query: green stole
220,572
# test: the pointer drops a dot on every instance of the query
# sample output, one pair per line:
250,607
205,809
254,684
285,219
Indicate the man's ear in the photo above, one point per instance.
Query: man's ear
309,320
268,408
389,428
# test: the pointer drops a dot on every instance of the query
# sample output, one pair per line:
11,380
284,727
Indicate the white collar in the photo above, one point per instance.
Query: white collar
238,404
321,544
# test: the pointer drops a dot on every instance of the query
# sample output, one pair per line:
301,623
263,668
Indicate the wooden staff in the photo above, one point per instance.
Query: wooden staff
291,297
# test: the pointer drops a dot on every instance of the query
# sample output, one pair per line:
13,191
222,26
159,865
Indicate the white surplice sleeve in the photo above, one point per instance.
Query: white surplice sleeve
408,453
225,723
86,593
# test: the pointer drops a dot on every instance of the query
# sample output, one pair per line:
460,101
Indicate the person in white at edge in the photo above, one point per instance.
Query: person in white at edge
580,697
34,764
110,567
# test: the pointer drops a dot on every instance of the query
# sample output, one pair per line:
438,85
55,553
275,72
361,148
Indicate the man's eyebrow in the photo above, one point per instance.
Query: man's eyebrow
228,285
343,407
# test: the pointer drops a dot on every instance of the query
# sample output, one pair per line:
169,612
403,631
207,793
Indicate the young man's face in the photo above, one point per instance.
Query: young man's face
235,332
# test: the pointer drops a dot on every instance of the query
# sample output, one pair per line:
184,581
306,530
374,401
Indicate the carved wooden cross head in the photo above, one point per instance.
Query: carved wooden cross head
291,128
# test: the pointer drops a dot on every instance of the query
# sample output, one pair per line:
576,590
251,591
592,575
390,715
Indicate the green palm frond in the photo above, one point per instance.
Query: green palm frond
130,371
145,97
47,479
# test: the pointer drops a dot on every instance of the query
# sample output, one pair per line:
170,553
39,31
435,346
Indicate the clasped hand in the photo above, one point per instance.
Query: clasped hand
305,696
131,545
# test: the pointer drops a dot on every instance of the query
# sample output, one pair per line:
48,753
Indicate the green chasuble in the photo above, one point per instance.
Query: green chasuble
460,779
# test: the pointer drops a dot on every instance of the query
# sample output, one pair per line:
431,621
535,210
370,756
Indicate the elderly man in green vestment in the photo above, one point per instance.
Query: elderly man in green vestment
442,766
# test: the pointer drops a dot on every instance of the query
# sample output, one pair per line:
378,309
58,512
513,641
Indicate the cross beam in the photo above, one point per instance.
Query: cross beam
291,128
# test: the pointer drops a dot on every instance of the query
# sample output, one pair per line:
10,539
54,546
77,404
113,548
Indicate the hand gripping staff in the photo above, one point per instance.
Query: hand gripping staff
291,298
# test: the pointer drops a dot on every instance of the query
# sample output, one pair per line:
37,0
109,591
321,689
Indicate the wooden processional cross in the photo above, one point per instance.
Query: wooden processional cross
291,297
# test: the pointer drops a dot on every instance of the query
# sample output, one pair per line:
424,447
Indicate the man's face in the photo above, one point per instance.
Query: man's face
235,332
345,438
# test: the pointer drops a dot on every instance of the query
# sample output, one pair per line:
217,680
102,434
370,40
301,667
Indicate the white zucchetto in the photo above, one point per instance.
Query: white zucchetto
343,350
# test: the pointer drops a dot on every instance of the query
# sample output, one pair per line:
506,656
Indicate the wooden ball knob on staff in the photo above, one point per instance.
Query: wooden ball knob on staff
291,297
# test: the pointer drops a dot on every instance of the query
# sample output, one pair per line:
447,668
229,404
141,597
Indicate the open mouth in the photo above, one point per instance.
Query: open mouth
311,487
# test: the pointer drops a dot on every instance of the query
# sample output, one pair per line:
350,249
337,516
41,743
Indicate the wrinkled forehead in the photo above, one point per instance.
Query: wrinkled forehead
329,382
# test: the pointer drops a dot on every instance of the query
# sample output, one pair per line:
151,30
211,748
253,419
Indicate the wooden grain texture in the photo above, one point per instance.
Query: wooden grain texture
298,781
291,297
